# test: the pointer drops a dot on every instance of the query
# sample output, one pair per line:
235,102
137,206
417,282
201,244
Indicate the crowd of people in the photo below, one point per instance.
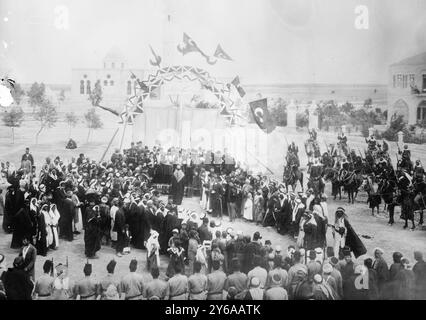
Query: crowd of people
119,203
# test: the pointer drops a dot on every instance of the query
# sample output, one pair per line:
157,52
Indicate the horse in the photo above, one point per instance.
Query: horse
317,185
372,188
387,190
332,174
351,185
292,176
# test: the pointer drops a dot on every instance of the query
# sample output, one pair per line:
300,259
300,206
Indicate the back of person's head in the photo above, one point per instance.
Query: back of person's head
397,256
297,256
330,252
312,255
133,265
155,272
368,263
215,264
218,234
206,221
236,266
178,268
278,260
197,266
47,266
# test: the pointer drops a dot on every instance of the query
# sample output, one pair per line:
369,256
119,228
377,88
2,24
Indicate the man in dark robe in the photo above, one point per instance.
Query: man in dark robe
92,241
419,270
132,213
119,225
178,185
170,222
13,203
144,225
216,197
22,227
251,250
17,283
67,211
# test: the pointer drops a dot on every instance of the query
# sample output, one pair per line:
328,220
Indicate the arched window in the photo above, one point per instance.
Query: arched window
129,87
88,88
421,113
105,83
81,86
111,83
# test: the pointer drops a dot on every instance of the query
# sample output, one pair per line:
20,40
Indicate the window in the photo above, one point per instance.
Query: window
394,81
404,81
399,80
129,87
108,76
421,113
82,87
105,83
111,83
411,78
424,83
88,88
113,65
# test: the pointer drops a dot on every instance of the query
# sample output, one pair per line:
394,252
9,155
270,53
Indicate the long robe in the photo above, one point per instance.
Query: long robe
53,224
22,227
132,214
143,228
178,187
92,239
169,223
78,218
41,239
67,214
14,201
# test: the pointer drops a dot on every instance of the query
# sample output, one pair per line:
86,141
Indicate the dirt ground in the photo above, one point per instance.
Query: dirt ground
52,142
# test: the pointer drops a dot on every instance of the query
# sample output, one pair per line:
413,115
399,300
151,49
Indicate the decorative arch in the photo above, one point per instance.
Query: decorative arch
167,74
401,107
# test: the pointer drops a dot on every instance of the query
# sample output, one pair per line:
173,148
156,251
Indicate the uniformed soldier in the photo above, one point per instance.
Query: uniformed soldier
197,283
86,288
178,285
132,285
44,285
156,289
108,280
419,171
216,282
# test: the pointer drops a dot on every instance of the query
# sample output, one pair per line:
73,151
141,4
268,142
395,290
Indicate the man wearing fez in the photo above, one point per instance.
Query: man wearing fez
44,285
86,288
132,284
109,280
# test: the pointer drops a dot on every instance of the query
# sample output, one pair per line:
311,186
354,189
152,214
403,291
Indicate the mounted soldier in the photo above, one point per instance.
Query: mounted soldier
292,148
406,159
419,172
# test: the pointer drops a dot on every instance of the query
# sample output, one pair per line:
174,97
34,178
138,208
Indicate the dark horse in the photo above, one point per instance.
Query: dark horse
291,177
351,184
332,174
317,185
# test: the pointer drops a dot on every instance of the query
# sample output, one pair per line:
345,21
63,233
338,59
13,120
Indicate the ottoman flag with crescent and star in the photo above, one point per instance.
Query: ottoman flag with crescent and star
261,115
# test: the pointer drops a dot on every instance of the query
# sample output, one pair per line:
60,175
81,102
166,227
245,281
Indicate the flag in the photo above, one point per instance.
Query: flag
219,53
353,241
236,84
157,58
261,115
188,45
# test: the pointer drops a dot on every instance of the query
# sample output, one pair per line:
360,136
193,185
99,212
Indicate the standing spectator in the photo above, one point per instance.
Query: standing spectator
335,273
373,289
108,281
132,284
178,285
278,261
215,282
260,273
381,268
29,255
27,156
255,291
16,282
237,279
276,290
156,289
419,270
405,282
86,288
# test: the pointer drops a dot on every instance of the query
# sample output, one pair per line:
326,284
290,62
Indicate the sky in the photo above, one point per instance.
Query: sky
270,41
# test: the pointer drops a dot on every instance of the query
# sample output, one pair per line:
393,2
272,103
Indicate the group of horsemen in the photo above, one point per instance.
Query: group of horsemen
342,165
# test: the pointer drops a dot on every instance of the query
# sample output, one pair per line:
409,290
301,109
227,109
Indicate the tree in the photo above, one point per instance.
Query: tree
279,112
329,114
61,97
46,115
17,93
368,103
302,119
36,95
347,108
13,119
71,120
95,95
93,121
